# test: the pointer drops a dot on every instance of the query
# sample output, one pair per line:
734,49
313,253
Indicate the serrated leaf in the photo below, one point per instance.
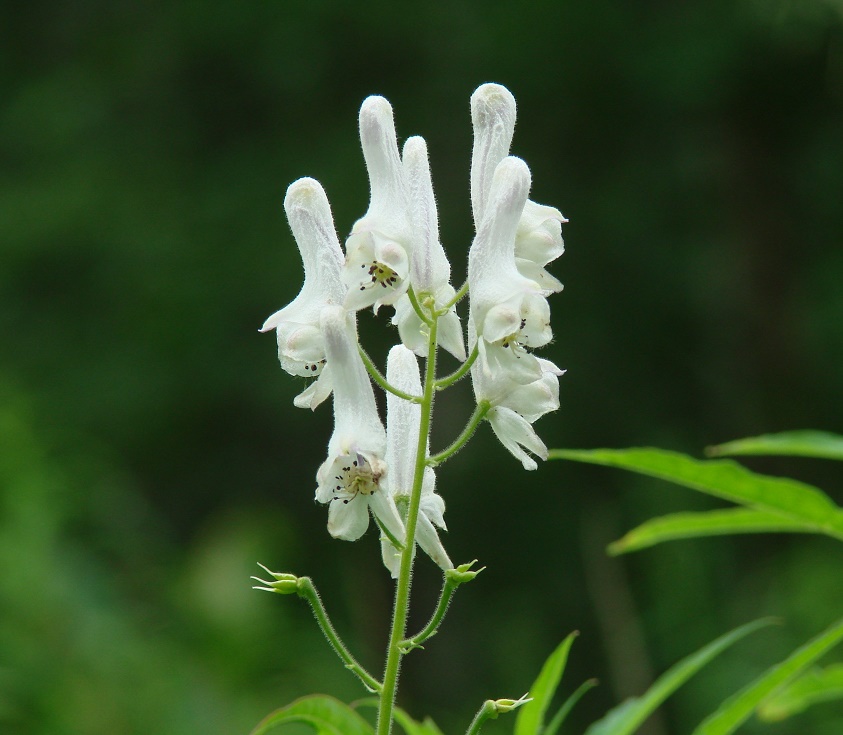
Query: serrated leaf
326,715
738,708
725,479
707,523
530,719
817,685
805,443
631,714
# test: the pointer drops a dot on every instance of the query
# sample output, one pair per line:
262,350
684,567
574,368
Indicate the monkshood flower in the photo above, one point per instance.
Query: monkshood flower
430,271
403,419
301,346
538,238
378,251
352,478
509,313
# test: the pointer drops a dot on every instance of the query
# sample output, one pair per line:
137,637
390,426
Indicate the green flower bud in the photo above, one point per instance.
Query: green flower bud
463,573
284,583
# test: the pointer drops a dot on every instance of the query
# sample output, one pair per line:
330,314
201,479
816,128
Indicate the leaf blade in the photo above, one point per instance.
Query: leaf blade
327,716
802,443
630,715
817,685
738,708
687,525
530,718
724,479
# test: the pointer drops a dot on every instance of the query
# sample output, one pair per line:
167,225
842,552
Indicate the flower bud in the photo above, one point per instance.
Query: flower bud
284,584
463,573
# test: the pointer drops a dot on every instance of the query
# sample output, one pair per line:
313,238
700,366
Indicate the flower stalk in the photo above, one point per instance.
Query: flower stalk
405,573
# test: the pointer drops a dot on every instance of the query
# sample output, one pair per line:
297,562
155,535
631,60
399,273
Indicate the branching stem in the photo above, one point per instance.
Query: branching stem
306,590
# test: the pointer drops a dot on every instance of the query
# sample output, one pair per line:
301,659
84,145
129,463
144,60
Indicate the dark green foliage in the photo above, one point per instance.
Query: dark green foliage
150,453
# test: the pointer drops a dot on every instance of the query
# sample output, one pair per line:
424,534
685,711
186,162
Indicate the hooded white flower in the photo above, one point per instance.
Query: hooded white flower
508,312
301,346
538,238
378,251
403,419
430,271
352,478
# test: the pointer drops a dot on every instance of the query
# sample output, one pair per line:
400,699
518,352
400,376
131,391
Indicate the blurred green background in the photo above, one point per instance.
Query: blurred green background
149,451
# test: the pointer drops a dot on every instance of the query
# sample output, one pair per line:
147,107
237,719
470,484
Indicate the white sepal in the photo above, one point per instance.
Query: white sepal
378,251
352,478
301,346
403,420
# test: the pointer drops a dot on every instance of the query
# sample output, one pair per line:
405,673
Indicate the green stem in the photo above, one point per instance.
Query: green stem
459,373
478,415
306,590
382,381
402,590
487,712
417,307
429,630
463,290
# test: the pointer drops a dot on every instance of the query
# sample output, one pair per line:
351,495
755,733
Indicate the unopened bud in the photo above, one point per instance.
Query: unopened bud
283,583
502,706
463,573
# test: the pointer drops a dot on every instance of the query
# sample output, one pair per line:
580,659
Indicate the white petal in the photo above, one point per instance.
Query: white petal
403,419
428,539
493,117
449,335
515,431
391,557
348,521
539,236
316,392
357,426
384,508
430,267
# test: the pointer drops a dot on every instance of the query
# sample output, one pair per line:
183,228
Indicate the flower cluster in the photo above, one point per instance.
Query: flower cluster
394,257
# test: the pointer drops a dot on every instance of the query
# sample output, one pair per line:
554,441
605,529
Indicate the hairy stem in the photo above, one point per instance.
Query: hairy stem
429,630
458,443
402,589
382,381
306,590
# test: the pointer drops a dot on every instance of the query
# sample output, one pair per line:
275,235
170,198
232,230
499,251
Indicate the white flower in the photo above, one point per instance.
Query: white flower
378,253
430,271
508,311
301,347
403,419
352,478
538,238
513,413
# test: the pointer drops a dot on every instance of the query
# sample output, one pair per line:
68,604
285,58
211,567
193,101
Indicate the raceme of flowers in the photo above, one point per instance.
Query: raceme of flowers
394,257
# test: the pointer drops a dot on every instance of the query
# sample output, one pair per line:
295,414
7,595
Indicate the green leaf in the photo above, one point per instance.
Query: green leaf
709,523
738,708
805,443
630,715
724,479
326,715
530,719
817,685
567,706
407,723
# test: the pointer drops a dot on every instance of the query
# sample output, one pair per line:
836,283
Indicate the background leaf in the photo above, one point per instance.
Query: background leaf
806,443
737,709
708,523
530,719
818,685
327,716
629,716
723,479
